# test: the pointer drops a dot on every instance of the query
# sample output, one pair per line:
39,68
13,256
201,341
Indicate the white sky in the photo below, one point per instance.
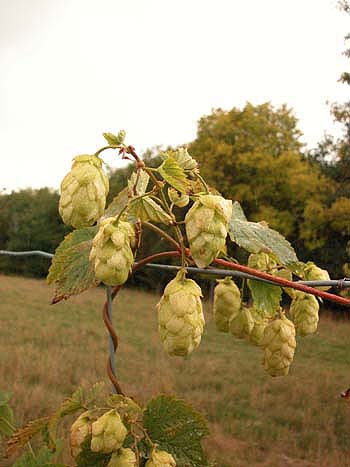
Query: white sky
71,69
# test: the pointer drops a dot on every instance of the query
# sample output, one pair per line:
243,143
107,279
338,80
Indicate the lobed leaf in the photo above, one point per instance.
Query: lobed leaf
71,270
177,428
258,237
174,175
266,297
117,204
115,140
146,209
182,157
140,182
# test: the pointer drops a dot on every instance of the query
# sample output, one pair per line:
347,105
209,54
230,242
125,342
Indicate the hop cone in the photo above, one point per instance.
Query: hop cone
79,431
83,192
180,316
160,459
179,199
227,302
257,333
304,312
314,273
123,458
206,227
242,323
108,433
285,273
111,252
279,346
261,261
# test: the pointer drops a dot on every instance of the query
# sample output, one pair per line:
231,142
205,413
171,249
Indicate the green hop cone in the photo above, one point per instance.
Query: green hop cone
312,272
257,333
79,431
206,227
304,312
124,457
160,459
261,261
83,192
180,316
242,323
111,252
179,199
285,273
227,302
108,433
279,346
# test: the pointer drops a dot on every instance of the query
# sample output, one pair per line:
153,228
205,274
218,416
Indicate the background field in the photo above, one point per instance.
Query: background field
255,420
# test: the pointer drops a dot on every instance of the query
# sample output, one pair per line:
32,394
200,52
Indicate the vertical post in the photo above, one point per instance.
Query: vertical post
111,344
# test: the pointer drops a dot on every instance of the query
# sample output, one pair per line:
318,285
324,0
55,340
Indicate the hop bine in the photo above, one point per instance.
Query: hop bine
180,316
111,251
227,303
83,192
108,433
206,228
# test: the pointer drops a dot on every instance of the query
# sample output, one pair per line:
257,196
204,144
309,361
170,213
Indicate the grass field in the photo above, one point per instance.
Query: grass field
255,420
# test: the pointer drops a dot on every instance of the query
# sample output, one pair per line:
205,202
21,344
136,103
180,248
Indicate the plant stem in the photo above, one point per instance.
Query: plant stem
162,234
203,182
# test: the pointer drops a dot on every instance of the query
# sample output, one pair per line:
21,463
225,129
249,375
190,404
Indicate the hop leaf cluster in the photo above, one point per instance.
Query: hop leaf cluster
83,192
206,228
111,251
180,316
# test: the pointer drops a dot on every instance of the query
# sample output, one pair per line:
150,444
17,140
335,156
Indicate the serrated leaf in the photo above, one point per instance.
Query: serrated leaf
237,212
115,140
117,204
141,182
258,237
146,209
71,270
182,157
21,436
177,428
93,393
174,175
70,405
266,297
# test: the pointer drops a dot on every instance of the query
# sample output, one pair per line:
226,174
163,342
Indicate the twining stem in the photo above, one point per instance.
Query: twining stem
163,234
111,146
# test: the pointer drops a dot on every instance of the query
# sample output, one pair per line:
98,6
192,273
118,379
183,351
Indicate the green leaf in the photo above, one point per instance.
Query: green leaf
146,209
258,237
115,140
93,394
142,182
43,458
237,212
71,270
174,175
177,428
182,157
124,405
21,436
69,406
117,204
266,297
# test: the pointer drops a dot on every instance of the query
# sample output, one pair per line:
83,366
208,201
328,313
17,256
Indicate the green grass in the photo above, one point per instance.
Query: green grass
46,351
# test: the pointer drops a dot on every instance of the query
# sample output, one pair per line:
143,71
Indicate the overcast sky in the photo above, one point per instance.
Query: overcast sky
71,69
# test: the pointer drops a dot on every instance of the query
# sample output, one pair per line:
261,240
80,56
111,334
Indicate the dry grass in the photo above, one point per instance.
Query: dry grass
47,351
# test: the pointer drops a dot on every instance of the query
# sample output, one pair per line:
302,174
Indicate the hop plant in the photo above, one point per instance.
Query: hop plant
261,261
242,323
111,251
285,273
206,228
257,333
124,457
314,273
83,192
79,431
304,312
160,459
180,316
279,346
108,433
227,302
179,199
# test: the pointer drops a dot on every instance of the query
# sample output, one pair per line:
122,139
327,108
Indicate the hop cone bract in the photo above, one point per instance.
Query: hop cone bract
206,227
124,457
111,251
79,431
108,432
160,459
242,323
179,199
304,312
227,302
180,316
257,333
279,346
83,192
314,273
